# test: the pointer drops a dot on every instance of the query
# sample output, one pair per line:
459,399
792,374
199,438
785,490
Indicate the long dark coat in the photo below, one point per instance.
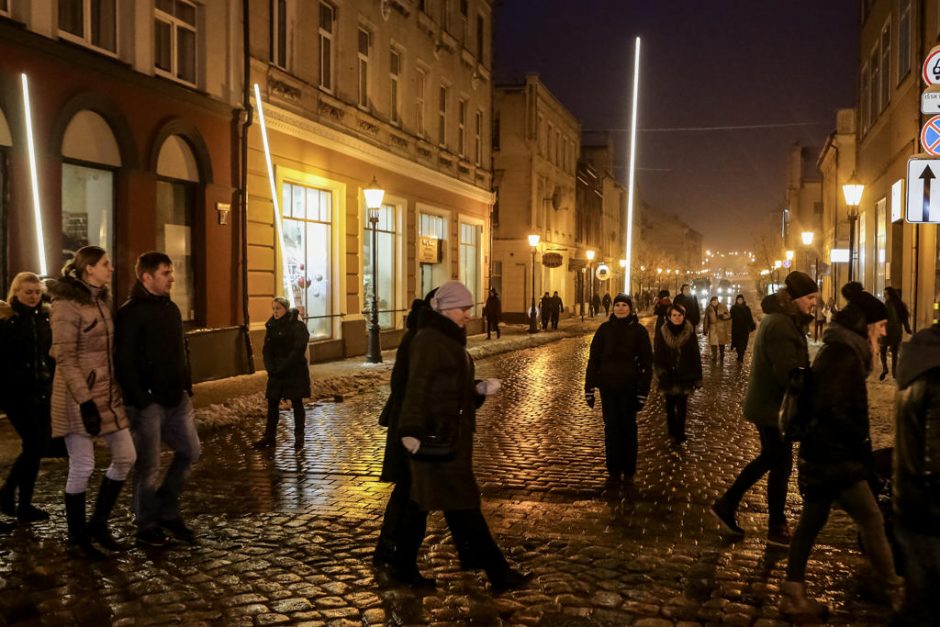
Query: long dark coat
742,323
621,358
898,321
677,360
26,368
285,357
440,398
493,310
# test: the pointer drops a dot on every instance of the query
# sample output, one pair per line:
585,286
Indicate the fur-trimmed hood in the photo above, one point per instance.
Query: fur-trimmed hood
9,310
70,288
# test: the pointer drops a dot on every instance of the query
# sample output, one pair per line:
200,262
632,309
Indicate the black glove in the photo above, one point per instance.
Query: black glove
91,418
589,398
641,401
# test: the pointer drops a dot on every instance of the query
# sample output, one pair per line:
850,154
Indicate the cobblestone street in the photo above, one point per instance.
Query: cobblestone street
287,538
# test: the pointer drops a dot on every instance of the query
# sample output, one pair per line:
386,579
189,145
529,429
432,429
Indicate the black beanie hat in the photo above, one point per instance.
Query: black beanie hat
800,284
870,307
623,298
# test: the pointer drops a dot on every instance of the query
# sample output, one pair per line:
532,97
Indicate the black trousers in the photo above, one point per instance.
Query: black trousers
492,325
776,457
274,415
676,409
34,427
620,432
555,316
894,357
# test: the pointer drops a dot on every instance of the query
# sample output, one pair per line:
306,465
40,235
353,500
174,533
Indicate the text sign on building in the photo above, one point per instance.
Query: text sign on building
923,191
429,249
552,260
930,101
897,201
930,71
930,136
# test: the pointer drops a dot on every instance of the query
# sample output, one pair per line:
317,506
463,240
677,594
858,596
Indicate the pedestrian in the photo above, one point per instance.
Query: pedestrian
620,365
557,307
917,474
285,359
493,311
595,304
400,509
545,309
86,399
661,308
606,302
678,366
779,347
717,328
26,372
835,457
439,405
742,323
152,358
898,322
690,304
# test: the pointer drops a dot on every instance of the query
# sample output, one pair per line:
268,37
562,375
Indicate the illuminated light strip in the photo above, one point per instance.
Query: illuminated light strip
34,178
277,205
632,184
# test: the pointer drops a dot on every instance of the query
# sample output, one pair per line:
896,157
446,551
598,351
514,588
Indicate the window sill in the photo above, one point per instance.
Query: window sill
84,43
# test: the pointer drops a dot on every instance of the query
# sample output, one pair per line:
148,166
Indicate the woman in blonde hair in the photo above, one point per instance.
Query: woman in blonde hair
86,400
26,371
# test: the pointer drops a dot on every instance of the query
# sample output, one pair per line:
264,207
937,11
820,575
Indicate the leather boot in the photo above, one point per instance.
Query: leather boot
795,603
75,519
98,525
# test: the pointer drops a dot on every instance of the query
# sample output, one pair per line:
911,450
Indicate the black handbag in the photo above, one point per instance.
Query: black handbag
796,418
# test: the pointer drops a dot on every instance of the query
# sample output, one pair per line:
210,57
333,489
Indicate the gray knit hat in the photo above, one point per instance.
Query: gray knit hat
452,295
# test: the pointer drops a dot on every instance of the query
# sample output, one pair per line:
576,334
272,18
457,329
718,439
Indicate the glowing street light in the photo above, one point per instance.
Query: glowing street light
374,195
34,177
632,173
807,237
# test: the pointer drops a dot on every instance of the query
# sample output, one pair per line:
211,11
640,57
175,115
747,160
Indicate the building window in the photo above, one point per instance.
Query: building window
91,22
874,106
174,237
496,130
423,6
478,139
394,71
496,280
363,53
280,33
5,10
327,18
470,260
445,15
885,66
550,142
462,128
481,37
87,208
881,242
308,246
386,265
464,23
904,39
421,85
175,39
442,116
864,86
557,147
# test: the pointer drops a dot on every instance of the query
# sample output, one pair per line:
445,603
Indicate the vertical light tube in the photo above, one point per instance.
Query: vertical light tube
274,198
632,173
34,178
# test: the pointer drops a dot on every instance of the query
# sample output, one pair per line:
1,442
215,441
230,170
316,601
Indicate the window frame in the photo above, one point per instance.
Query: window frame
327,70
394,86
362,67
905,12
874,84
481,37
463,10
394,210
443,95
175,23
276,34
864,98
885,43
478,138
421,88
85,39
462,106
7,12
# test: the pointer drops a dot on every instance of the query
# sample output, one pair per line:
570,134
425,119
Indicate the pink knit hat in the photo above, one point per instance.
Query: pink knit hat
452,295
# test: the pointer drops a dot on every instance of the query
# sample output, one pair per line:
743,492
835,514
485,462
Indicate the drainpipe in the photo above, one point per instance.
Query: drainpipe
243,178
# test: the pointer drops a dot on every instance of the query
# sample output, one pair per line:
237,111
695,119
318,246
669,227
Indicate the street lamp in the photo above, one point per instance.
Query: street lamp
807,237
374,195
533,244
590,257
852,190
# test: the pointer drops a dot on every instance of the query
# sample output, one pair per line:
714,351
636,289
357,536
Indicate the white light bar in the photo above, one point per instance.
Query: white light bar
277,205
839,255
631,184
34,178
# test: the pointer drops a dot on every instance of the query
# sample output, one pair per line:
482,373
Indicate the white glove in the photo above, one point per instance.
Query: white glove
412,444
488,387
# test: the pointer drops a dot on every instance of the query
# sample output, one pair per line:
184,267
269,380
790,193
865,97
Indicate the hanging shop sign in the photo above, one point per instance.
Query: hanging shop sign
602,273
552,260
429,249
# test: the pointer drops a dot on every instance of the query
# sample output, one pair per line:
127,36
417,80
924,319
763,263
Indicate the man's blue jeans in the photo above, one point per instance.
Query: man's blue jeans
151,427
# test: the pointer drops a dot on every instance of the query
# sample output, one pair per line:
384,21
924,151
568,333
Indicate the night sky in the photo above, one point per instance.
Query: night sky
705,63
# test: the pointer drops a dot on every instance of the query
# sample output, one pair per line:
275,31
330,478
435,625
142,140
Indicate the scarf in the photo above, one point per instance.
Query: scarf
675,340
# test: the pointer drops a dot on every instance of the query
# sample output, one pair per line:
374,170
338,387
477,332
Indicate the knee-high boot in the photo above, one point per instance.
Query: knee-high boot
300,418
75,519
98,524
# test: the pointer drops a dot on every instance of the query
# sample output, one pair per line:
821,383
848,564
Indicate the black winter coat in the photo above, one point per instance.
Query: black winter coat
493,311
677,359
836,453
621,358
917,443
440,399
692,312
151,355
285,357
660,311
742,323
26,368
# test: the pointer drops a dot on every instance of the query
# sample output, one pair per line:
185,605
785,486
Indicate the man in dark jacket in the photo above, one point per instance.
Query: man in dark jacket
688,302
663,303
917,473
606,302
557,308
152,360
779,347
621,366
492,311
545,310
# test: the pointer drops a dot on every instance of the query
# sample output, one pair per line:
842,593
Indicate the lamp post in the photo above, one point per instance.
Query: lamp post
374,195
533,244
807,237
623,268
590,257
852,190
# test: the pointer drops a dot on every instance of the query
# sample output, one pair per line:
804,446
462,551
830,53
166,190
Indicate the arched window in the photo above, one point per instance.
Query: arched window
90,155
178,177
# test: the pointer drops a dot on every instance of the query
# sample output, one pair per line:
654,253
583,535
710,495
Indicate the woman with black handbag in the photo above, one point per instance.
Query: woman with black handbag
742,324
677,363
436,427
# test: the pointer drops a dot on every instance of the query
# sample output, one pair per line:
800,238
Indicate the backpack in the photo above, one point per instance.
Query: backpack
796,419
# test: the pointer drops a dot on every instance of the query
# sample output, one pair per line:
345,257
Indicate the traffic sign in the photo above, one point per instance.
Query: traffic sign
930,101
923,190
930,136
930,71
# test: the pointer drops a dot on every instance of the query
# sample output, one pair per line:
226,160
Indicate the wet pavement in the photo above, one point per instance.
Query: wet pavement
286,538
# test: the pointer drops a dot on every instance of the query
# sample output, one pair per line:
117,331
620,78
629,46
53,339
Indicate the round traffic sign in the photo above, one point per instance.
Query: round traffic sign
930,136
930,71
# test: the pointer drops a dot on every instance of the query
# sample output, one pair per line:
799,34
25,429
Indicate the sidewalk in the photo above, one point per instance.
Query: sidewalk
226,401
